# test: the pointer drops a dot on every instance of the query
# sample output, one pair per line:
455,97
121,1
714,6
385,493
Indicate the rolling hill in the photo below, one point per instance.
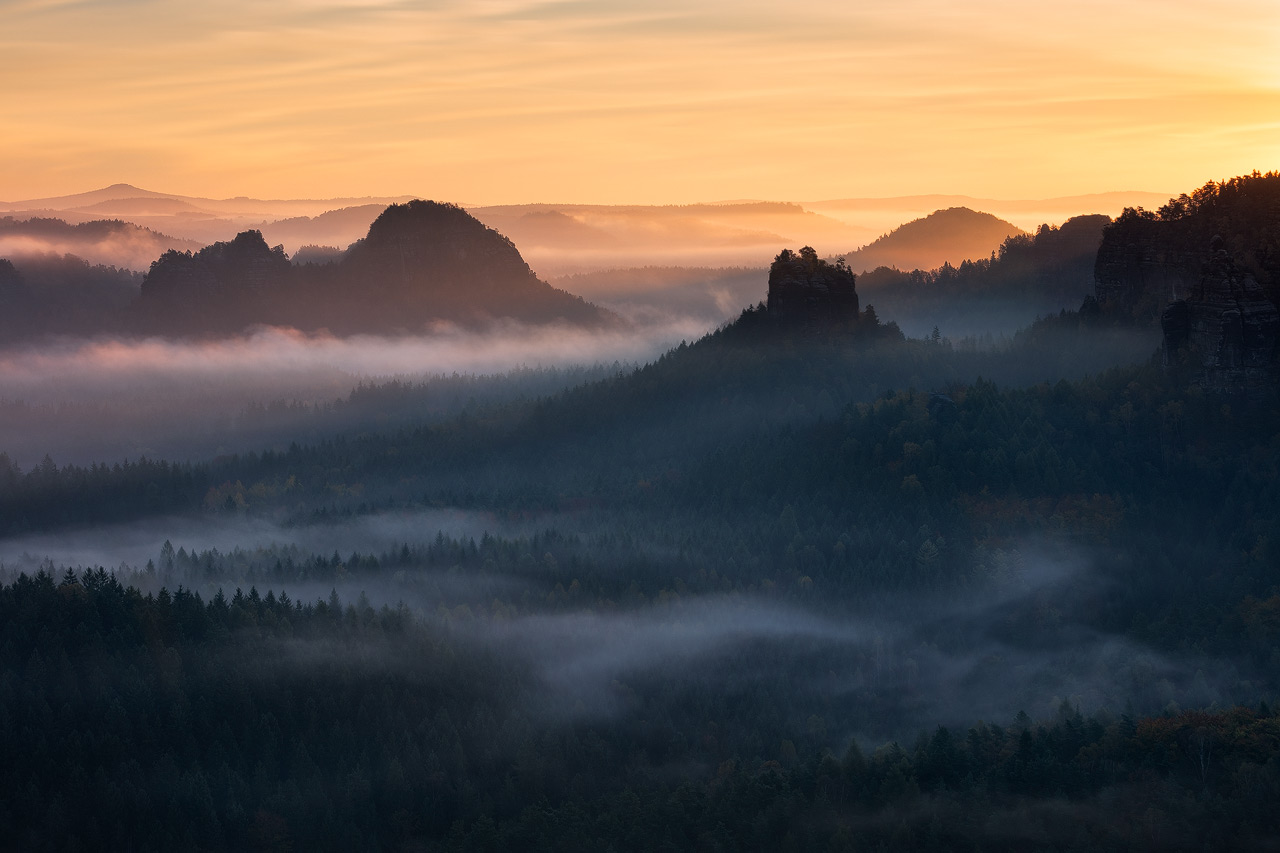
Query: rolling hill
943,237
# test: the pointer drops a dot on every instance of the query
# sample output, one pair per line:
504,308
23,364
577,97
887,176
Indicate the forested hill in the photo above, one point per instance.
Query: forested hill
802,584
1149,258
111,242
337,723
1028,276
421,262
777,581
585,446
256,722
944,236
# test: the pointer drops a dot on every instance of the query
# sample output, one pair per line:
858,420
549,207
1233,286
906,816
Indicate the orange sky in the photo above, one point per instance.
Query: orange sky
646,102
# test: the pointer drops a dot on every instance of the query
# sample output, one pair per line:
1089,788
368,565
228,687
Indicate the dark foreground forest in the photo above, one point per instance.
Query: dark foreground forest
803,584
164,722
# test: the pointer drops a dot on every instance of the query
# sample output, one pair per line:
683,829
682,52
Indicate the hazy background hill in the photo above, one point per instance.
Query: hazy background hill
1026,277
563,239
943,237
882,214
1031,275
204,220
112,242
336,229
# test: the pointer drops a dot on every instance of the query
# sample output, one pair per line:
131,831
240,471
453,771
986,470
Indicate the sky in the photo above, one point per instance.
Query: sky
660,101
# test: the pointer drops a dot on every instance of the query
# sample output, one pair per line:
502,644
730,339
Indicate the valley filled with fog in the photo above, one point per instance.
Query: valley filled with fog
812,532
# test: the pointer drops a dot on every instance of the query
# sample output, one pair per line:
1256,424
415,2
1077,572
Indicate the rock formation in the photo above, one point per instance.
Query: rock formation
1139,269
1226,332
804,287
1151,258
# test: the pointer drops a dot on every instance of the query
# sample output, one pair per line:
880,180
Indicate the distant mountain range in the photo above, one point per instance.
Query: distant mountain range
111,242
943,237
204,220
1025,213
702,261
564,239
125,196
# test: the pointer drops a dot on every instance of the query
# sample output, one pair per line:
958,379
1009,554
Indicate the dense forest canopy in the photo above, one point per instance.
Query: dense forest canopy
807,582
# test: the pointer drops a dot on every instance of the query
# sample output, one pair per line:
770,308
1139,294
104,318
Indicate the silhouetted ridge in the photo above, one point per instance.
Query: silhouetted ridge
436,261
13,294
52,294
427,249
421,262
223,287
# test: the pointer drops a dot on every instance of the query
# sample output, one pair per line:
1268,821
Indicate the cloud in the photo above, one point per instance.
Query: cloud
280,357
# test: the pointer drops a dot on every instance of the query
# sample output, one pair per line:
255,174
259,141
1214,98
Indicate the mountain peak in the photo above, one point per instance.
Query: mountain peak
422,261
427,221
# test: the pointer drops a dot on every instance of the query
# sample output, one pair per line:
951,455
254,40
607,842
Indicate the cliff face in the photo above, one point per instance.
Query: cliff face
1139,268
1226,332
804,287
1149,259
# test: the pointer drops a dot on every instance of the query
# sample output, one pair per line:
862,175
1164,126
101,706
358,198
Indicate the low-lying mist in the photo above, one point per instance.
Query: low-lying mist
107,399
877,671
133,545
881,667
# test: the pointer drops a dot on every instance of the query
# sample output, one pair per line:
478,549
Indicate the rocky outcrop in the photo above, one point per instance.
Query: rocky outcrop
1151,258
1225,333
1138,269
804,287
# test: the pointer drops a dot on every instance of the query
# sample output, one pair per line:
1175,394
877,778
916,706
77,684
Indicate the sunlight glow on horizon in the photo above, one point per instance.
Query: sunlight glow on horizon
616,102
